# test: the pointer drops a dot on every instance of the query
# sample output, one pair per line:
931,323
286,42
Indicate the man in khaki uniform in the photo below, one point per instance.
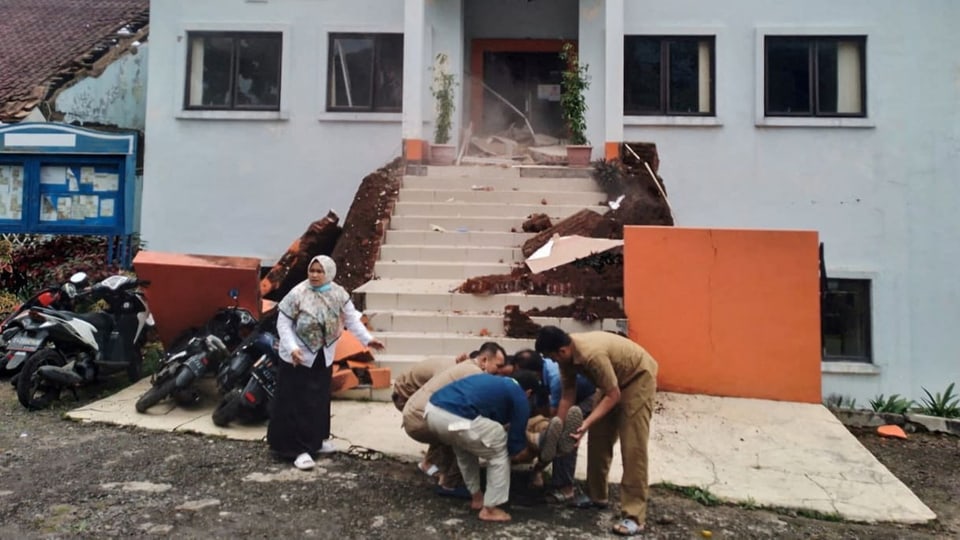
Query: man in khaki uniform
489,359
626,379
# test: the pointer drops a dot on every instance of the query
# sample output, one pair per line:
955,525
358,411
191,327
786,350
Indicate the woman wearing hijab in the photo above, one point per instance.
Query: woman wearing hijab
312,316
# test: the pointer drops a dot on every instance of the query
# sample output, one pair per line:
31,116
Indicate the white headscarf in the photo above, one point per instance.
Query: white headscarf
329,267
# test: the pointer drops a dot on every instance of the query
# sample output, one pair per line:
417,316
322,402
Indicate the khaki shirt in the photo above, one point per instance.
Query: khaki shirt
606,359
418,401
418,375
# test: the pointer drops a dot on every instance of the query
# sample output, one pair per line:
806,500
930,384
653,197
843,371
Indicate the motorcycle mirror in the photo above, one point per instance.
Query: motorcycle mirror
234,293
70,290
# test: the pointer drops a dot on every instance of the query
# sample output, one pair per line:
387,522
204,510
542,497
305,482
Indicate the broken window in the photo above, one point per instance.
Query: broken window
845,320
668,76
234,70
365,73
823,76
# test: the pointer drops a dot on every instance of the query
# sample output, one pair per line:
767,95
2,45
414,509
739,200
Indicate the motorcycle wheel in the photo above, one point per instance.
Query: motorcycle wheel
155,394
31,390
228,409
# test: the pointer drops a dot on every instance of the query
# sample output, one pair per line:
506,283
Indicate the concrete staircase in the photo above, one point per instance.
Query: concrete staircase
455,223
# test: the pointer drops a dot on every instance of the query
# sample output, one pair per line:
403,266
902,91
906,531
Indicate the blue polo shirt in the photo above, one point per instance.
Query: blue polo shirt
551,378
498,398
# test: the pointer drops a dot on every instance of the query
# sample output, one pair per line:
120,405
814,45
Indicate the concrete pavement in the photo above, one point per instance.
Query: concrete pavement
765,453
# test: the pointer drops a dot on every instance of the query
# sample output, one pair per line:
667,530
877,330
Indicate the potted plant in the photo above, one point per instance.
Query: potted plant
442,153
573,105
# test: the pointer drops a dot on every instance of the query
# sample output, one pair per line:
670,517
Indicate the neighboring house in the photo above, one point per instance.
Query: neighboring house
839,116
79,62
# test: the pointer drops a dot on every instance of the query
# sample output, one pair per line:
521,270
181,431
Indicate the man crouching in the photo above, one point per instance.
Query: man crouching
471,415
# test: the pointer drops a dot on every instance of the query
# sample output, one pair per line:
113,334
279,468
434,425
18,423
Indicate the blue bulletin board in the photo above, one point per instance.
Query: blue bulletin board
57,178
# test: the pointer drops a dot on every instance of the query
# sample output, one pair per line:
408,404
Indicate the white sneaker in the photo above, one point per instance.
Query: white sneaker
304,462
327,447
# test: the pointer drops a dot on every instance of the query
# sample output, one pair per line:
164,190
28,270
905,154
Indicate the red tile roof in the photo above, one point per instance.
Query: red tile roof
41,39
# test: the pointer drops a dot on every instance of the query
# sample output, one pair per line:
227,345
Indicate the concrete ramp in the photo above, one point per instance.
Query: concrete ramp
767,453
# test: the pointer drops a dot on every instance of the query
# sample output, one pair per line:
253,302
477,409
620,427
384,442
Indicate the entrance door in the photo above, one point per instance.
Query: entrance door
527,74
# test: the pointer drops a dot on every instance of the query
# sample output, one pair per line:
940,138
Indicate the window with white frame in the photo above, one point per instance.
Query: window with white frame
365,72
822,76
233,71
668,75
845,320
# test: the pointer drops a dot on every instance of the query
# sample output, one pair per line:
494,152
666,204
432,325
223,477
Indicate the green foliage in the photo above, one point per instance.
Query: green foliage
837,401
892,404
32,266
699,494
573,102
946,405
442,90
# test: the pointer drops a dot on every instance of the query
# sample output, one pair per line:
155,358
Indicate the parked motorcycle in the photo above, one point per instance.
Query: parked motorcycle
69,350
12,352
235,370
252,402
199,355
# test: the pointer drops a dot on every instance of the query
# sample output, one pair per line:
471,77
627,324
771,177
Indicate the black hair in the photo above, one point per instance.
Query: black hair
492,348
527,380
528,359
550,339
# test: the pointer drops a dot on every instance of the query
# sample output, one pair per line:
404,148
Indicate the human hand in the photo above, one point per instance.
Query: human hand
376,345
297,357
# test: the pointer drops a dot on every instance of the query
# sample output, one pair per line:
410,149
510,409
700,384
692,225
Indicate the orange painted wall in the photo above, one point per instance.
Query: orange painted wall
727,312
186,290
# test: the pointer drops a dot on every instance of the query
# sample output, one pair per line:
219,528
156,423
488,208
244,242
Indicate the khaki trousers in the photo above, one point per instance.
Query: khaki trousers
629,422
438,453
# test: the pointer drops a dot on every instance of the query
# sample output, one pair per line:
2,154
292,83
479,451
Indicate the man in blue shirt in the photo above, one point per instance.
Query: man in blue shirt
471,415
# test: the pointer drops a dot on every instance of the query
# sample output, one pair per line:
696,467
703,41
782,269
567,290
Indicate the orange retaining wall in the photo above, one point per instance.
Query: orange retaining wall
727,312
186,290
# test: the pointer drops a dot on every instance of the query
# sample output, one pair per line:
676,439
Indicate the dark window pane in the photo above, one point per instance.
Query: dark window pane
827,76
212,64
351,85
258,71
684,76
641,77
788,76
388,83
846,320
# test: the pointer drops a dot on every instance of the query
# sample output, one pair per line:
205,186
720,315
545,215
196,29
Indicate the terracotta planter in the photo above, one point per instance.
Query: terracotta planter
443,154
578,155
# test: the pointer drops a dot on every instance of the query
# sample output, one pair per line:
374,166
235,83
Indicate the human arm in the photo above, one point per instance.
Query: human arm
568,390
288,337
601,369
351,319
519,414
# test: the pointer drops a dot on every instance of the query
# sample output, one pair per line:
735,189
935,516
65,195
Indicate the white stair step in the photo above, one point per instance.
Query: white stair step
490,209
437,270
436,295
429,343
454,238
472,323
466,223
495,183
465,253
502,197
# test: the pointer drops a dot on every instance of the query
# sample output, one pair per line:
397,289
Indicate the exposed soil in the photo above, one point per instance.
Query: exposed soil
60,479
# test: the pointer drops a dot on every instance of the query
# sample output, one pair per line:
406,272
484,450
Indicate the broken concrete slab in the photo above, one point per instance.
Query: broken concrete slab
563,249
552,155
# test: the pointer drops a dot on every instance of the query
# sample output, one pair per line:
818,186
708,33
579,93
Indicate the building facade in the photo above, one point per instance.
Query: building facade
836,116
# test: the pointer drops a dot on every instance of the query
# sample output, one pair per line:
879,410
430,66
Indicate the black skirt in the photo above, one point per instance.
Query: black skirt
300,418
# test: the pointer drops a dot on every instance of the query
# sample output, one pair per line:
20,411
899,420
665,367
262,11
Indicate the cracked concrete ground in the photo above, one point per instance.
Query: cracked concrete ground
756,452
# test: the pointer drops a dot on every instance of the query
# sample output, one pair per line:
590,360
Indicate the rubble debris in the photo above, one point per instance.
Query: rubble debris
366,224
584,309
584,223
319,239
517,324
536,223
561,250
567,280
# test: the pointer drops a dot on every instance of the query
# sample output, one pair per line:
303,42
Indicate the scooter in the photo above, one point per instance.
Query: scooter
201,355
59,298
252,402
68,350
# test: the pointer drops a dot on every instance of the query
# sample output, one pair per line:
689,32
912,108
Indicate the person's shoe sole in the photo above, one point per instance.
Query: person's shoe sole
571,424
551,437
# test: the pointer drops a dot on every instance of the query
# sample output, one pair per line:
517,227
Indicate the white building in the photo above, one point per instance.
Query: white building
841,116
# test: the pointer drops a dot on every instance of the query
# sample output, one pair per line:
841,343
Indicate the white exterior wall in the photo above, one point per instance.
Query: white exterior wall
882,196
222,185
118,97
